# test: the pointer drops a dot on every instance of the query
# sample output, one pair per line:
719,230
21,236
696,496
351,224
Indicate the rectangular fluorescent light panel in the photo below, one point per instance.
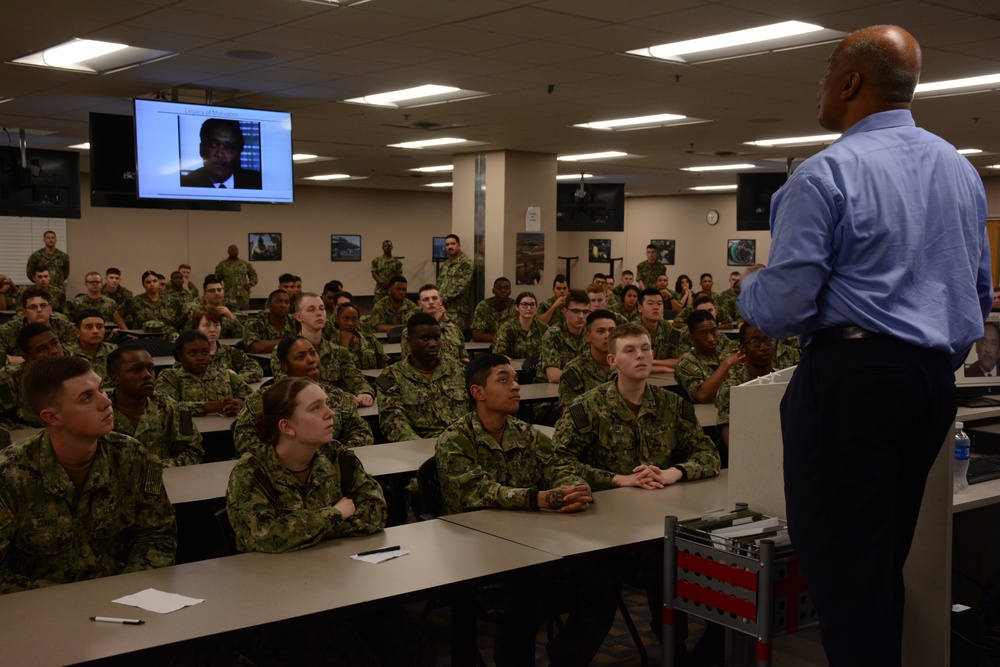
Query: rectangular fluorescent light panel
429,143
713,188
439,185
91,56
591,156
752,41
642,122
969,151
975,84
417,97
796,141
572,177
719,167
434,170
328,177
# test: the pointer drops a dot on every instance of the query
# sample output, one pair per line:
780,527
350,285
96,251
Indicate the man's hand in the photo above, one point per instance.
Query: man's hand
364,400
565,499
648,477
346,508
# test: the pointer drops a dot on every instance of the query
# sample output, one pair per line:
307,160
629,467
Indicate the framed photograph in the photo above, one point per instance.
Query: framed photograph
345,248
741,252
264,247
599,250
437,249
530,258
666,247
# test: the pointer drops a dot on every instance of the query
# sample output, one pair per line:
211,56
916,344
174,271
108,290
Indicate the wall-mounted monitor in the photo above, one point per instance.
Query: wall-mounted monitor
213,153
753,200
594,207
48,186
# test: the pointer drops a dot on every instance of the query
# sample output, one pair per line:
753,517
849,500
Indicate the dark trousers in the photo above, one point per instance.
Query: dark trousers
862,422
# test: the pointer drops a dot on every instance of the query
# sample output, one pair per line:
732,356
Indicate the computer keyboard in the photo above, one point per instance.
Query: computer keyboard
984,468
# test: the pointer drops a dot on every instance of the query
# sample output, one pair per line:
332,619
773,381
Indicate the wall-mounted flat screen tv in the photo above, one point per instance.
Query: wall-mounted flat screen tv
47,187
198,152
594,207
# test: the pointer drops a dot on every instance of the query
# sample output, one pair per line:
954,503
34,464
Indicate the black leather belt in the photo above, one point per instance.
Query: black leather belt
835,334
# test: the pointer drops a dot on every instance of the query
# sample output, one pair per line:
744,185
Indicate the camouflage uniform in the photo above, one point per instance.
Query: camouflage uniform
231,358
258,327
235,276
787,353
57,263
121,296
230,328
192,291
192,392
725,306
488,320
411,407
385,268
579,376
120,522
336,367
99,360
647,273
367,351
668,342
737,375
57,298
165,430
384,313
558,348
454,282
14,414
271,512
61,327
476,472
633,316
517,343
693,368
599,437
558,317
105,305
182,299
452,342
142,309
348,427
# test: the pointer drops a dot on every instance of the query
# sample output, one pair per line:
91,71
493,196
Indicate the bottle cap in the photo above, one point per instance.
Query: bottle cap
959,426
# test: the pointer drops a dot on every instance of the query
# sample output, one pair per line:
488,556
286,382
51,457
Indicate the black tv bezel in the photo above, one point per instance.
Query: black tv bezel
17,178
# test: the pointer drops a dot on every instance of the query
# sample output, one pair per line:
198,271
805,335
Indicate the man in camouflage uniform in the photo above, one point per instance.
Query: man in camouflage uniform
394,309
491,313
164,428
263,331
113,287
701,371
76,500
35,309
668,343
51,258
384,268
564,341
89,343
550,311
489,459
214,296
94,300
725,303
455,281
57,295
177,292
646,272
591,368
238,276
452,338
424,393
597,292
38,342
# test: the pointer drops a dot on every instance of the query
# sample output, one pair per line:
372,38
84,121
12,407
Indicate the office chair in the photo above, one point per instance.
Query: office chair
157,347
394,335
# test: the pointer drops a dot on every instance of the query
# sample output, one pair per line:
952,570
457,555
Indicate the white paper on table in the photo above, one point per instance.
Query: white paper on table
158,601
381,557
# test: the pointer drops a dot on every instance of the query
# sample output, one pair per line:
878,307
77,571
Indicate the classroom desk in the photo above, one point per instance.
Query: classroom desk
249,590
395,349
213,423
393,458
539,393
662,380
142,333
618,517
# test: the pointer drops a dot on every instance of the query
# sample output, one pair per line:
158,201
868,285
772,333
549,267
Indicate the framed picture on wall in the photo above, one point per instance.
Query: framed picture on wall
437,248
741,252
345,248
599,250
264,247
666,247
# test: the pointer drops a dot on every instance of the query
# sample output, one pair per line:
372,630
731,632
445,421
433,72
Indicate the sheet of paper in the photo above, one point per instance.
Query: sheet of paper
158,601
381,557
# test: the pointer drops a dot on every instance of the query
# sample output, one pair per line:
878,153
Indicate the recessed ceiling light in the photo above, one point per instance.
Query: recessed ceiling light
719,167
428,143
572,177
713,188
992,166
752,41
796,141
591,156
439,185
328,177
642,122
94,57
303,157
418,96
434,170
85,146
969,151
975,84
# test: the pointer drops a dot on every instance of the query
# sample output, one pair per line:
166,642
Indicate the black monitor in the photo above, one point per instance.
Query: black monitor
753,199
594,207
48,186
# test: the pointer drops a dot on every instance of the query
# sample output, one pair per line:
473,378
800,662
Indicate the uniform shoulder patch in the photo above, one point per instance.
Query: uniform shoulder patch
579,415
385,381
187,424
152,481
687,411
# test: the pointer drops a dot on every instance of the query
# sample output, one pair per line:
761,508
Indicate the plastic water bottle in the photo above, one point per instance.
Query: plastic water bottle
962,453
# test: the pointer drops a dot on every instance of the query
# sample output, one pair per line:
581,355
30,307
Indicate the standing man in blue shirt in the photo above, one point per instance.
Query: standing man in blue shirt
872,240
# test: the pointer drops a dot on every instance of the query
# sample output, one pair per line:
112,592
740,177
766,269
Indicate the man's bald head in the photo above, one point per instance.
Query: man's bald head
874,69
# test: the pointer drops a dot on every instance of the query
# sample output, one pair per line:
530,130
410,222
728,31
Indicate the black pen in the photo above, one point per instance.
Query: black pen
112,619
379,551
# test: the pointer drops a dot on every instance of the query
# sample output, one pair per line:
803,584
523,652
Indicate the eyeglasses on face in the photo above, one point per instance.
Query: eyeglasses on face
757,342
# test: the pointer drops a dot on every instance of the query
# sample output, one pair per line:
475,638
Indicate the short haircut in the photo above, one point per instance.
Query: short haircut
577,296
600,314
560,278
599,276
454,236
497,281
734,273
344,306
286,278
296,279
146,274
113,270
632,288
176,273
991,324
628,272
420,319
891,75
84,314
336,286
210,279
91,273
596,288
697,317
40,269
701,300
231,125
278,403
115,358
303,297
42,384
746,327
48,231
184,339
345,294
426,287
29,332
704,275
274,293
183,266
627,330
34,292
284,346
480,368
653,246
397,279
211,313
649,291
